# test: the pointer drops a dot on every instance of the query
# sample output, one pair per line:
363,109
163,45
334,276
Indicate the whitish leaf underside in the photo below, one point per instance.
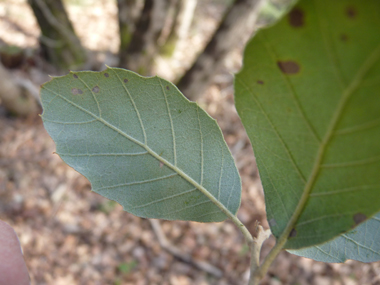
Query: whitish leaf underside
362,244
141,143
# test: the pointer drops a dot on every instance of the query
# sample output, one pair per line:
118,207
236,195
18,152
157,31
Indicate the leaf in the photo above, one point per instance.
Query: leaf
362,244
141,143
308,97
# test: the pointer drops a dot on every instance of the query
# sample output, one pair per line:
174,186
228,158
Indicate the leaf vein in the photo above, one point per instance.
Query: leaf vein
165,198
345,190
191,206
352,163
93,96
201,138
322,218
103,154
70,123
137,182
171,124
359,245
134,106
361,127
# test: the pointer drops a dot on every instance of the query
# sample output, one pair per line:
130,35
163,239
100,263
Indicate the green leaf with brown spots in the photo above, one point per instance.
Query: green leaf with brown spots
309,98
141,143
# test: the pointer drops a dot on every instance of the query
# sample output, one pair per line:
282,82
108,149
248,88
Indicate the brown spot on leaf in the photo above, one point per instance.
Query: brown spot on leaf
351,12
96,89
106,74
293,233
167,88
260,82
288,67
74,91
359,217
75,76
343,37
125,80
296,18
80,91
161,164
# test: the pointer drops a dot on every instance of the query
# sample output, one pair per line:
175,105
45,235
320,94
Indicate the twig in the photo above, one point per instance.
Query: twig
176,252
28,85
262,235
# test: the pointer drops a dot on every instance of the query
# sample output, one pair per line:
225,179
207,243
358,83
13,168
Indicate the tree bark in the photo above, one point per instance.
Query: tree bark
237,26
59,43
127,14
183,17
143,47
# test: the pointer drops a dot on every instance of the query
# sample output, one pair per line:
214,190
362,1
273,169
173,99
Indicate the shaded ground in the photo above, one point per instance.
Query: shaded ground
73,236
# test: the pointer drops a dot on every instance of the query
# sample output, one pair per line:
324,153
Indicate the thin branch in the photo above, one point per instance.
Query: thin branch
28,85
260,272
176,252
262,236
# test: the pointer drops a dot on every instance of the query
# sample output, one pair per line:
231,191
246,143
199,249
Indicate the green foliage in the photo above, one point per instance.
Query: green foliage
362,244
308,96
141,143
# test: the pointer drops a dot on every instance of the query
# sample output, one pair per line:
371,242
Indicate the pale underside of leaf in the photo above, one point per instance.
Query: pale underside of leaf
361,244
143,144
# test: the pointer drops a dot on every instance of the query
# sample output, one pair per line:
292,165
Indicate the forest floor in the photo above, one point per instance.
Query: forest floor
70,235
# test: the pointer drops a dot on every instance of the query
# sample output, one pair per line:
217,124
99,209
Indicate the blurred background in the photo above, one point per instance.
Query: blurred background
72,236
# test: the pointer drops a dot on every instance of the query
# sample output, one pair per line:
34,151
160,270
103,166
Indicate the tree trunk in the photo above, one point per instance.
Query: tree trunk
127,14
183,17
143,47
236,27
59,43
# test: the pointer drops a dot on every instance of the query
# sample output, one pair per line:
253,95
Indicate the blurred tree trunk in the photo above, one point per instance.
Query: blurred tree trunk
59,43
139,56
183,17
237,26
127,14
